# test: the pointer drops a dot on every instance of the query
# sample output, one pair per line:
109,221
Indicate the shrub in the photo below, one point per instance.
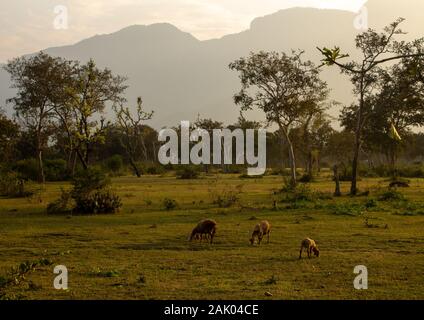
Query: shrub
227,197
187,173
346,209
27,169
169,204
114,164
371,203
63,205
306,178
56,170
391,195
91,193
13,187
155,170
99,202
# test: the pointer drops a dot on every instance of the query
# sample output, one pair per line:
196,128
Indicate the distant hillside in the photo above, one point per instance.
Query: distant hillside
179,76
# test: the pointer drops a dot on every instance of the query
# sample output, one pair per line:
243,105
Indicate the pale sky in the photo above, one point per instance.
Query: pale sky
27,26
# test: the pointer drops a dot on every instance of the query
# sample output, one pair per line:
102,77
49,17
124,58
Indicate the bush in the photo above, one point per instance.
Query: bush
13,187
98,202
114,164
63,205
169,204
91,193
391,195
27,169
371,203
187,173
347,209
306,178
227,197
56,170
155,170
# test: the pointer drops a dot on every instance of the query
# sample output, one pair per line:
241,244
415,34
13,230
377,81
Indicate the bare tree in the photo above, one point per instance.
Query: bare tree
132,135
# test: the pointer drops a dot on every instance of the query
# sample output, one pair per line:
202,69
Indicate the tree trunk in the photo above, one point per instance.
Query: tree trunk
337,192
353,187
293,181
309,168
82,159
134,166
41,177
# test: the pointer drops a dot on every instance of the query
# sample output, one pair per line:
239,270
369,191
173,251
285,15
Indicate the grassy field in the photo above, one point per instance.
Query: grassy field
143,253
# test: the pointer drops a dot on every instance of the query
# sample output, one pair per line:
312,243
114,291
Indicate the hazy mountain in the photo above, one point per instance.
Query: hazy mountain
179,76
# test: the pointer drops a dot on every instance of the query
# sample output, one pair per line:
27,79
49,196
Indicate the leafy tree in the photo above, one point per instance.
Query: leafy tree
284,87
399,102
131,128
9,135
87,94
311,137
39,82
377,49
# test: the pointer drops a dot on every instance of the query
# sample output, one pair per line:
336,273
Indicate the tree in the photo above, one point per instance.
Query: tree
131,128
377,49
39,81
9,135
398,102
311,137
284,87
87,94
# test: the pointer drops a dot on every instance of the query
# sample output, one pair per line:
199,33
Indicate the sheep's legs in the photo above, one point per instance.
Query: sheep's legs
300,253
309,252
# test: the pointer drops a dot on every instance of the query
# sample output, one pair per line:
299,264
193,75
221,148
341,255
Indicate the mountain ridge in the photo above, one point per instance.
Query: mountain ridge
180,76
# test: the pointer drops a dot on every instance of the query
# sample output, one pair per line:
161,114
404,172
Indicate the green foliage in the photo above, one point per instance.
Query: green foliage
169,204
306,178
27,169
114,164
346,209
54,169
92,195
63,205
97,272
188,172
18,275
12,186
155,169
371,203
391,195
227,196
303,192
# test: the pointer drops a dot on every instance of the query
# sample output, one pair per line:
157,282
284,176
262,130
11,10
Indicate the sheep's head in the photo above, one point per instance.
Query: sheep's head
193,235
316,251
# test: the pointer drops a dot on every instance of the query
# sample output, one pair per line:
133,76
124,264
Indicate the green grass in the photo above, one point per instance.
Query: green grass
143,253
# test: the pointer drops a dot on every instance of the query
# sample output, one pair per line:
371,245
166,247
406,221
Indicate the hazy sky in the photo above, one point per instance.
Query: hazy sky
27,26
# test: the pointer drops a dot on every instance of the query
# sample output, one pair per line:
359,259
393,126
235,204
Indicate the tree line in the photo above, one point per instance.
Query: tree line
60,111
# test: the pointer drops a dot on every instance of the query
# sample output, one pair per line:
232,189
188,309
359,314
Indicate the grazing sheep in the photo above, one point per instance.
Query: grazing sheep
261,229
310,246
205,228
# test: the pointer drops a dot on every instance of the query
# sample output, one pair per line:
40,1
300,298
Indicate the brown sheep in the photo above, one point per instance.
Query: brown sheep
310,246
205,228
261,229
